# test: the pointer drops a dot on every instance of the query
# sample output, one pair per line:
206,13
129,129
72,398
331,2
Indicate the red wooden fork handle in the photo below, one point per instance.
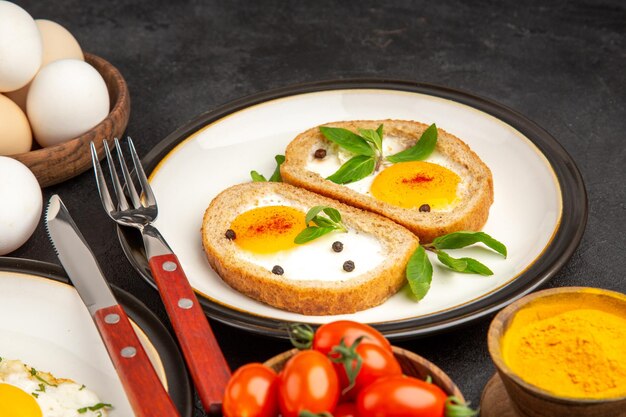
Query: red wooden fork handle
143,388
205,360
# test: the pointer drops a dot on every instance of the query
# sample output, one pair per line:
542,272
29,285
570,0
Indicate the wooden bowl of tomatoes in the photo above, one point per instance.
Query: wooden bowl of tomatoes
344,369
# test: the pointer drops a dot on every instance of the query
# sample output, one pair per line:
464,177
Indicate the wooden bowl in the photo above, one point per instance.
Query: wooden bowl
530,400
411,364
58,163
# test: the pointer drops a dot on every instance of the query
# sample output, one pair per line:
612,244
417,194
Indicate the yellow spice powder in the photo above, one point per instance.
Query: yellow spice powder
579,353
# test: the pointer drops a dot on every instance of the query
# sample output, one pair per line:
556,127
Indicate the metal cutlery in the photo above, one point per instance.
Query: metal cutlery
208,367
143,388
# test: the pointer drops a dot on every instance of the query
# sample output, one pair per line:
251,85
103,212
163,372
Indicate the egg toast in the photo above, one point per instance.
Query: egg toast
451,190
249,233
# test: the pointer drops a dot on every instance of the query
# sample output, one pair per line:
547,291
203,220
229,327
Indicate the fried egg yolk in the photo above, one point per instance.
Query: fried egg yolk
268,229
16,403
411,184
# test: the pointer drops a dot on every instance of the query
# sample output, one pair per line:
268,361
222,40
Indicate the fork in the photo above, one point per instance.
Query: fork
205,360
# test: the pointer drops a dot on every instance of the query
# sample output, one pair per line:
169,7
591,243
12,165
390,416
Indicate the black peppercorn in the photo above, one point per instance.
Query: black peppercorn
348,266
320,153
337,246
278,270
230,234
424,208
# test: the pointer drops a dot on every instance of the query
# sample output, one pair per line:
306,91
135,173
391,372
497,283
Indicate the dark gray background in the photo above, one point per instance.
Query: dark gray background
560,63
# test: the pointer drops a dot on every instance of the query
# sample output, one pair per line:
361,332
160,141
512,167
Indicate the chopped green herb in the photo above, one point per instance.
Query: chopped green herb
94,408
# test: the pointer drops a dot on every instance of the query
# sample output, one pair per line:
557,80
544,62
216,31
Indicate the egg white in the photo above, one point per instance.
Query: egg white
316,260
335,157
58,398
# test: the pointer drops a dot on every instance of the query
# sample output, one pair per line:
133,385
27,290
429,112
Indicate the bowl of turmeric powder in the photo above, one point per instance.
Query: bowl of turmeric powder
562,352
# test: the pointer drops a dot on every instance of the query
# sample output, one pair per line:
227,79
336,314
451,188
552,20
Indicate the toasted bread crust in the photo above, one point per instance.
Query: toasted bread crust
469,214
313,297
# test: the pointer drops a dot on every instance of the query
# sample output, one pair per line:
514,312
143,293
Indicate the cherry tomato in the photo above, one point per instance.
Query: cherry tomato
330,334
252,391
377,363
345,410
308,382
401,396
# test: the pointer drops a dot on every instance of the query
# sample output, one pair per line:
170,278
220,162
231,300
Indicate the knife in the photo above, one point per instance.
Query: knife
145,392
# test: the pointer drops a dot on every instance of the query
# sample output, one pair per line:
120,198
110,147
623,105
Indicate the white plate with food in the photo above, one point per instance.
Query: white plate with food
539,207
52,359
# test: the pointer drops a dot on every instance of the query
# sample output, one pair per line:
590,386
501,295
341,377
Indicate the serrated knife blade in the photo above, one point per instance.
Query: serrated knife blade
143,388
77,258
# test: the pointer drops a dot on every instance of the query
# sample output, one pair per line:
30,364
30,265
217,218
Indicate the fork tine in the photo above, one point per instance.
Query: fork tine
145,185
127,179
103,190
122,203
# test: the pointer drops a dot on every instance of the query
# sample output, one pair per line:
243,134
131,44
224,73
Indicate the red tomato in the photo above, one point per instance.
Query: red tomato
308,382
345,410
377,363
252,392
330,334
401,396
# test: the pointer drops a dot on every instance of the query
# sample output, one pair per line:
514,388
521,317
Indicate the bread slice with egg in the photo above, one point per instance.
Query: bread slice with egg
472,188
248,230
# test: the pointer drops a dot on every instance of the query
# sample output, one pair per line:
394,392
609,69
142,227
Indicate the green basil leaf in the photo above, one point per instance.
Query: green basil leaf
256,177
312,233
458,265
477,267
354,169
422,148
458,240
380,132
466,265
324,222
419,273
333,214
276,175
347,140
313,211
373,136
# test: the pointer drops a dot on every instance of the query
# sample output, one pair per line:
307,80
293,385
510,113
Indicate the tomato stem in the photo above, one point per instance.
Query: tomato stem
300,335
349,358
454,407
307,413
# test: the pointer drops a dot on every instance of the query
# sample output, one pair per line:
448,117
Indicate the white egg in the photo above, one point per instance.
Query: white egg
58,43
316,259
20,204
20,47
27,392
66,99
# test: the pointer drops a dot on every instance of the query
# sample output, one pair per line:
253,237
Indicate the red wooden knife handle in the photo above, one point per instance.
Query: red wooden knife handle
143,388
203,355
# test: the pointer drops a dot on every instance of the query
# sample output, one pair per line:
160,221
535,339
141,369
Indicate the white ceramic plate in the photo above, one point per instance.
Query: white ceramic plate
44,323
189,169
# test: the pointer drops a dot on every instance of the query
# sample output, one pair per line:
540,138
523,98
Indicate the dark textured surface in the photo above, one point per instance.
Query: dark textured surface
560,63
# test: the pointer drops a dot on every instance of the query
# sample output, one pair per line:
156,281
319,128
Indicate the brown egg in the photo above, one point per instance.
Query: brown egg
15,134
58,43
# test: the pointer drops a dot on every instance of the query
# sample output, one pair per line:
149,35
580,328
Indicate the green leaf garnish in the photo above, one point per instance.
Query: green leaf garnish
354,169
94,408
374,136
419,273
276,175
324,225
348,140
467,265
312,233
421,150
458,240
256,177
